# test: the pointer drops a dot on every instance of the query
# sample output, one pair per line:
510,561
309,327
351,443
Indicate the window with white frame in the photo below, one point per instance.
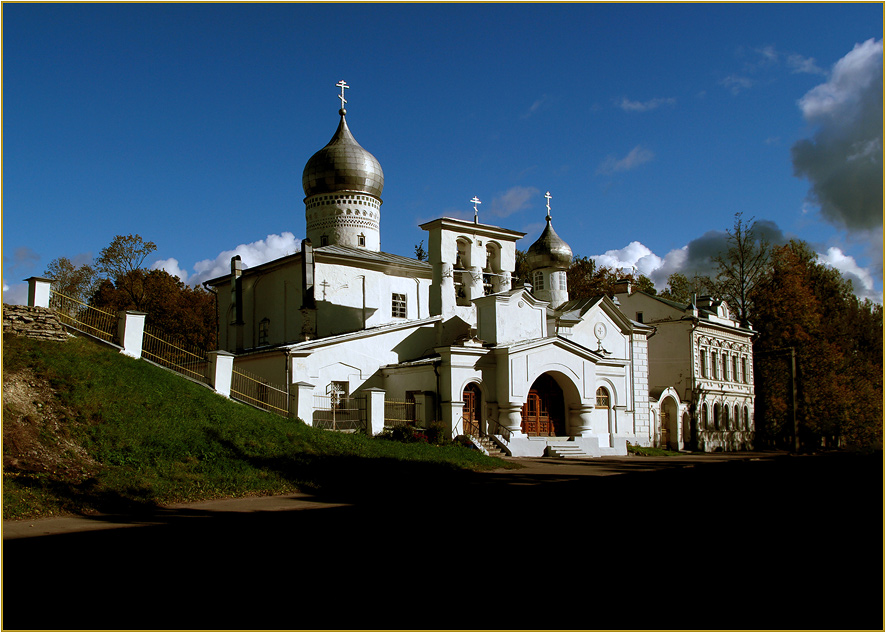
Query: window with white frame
538,281
398,306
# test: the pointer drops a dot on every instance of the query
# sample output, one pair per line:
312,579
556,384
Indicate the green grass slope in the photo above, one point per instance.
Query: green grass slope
86,429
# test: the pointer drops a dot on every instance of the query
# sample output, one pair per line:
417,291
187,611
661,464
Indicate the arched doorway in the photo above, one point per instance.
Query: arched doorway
669,421
544,410
471,413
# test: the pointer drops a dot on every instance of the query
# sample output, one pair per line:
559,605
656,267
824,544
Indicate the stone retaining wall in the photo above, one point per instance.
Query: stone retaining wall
37,323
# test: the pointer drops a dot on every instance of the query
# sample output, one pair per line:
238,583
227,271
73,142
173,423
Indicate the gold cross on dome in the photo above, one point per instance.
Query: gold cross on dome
342,85
548,205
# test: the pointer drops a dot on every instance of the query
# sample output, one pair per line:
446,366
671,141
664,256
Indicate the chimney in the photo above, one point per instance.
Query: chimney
622,286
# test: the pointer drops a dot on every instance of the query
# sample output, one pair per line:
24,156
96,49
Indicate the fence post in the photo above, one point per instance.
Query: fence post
220,371
131,332
375,410
38,291
303,394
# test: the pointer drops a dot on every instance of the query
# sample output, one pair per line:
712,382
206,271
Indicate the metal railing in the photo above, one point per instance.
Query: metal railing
83,317
340,413
178,356
259,392
399,413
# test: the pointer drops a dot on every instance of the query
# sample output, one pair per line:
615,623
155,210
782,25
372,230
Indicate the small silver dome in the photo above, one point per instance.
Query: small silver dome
343,166
549,251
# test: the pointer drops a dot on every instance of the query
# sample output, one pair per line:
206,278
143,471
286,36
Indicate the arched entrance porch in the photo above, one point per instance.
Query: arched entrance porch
544,412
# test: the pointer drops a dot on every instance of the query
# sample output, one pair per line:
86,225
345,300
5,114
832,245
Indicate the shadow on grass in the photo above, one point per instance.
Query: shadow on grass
731,544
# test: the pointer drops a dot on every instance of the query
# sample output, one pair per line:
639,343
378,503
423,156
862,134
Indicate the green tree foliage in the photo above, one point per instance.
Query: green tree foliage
76,282
420,253
183,312
807,307
586,280
741,267
681,288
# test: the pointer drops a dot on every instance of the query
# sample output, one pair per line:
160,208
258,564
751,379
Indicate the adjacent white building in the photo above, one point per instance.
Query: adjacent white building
700,372
521,365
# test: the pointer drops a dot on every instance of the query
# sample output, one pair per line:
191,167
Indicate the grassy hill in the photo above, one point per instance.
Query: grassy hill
86,429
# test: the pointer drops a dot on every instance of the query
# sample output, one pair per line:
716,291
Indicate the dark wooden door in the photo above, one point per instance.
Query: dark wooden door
543,411
471,411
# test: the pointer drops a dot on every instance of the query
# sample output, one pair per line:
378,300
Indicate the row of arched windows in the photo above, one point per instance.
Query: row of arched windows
722,417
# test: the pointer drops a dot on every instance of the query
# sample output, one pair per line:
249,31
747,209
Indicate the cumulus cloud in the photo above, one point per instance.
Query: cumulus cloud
252,254
513,200
634,159
644,106
861,278
172,267
843,159
695,258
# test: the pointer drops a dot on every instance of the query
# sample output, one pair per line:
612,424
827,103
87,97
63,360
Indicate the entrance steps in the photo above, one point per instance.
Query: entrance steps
491,448
565,450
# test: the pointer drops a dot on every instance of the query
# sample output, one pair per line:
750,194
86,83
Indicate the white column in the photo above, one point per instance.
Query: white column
220,371
131,331
303,393
38,291
375,410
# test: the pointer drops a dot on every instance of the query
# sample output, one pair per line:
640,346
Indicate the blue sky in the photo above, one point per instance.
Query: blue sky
651,125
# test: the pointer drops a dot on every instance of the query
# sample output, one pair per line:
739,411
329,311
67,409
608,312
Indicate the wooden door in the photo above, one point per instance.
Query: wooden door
471,411
543,411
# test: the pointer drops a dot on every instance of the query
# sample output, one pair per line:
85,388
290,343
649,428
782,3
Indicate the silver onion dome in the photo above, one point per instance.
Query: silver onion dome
549,251
343,165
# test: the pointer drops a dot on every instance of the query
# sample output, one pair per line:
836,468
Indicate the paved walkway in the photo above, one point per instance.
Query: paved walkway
533,470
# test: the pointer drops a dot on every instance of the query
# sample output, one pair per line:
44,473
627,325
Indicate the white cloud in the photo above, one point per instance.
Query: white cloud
862,279
736,83
799,64
634,159
843,159
513,200
644,106
634,256
16,294
172,267
252,254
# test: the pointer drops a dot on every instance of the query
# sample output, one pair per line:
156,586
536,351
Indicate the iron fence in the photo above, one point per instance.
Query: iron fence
260,392
399,413
83,317
178,356
340,413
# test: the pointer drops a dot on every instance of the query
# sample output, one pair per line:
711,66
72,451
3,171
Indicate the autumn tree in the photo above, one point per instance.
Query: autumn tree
741,267
806,311
76,282
121,262
183,312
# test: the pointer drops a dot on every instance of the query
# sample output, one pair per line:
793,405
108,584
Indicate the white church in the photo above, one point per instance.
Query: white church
522,366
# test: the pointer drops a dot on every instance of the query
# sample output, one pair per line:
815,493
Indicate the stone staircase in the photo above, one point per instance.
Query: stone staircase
491,447
565,450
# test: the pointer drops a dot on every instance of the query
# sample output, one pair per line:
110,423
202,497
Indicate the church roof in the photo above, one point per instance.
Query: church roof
343,165
549,250
362,254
